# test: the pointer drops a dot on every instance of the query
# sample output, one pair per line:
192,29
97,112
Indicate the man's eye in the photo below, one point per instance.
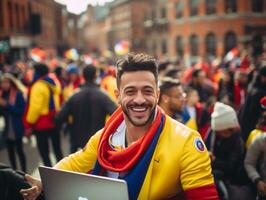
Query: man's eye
130,92
148,91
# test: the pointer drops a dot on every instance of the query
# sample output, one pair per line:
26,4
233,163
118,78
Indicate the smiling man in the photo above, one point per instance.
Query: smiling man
158,157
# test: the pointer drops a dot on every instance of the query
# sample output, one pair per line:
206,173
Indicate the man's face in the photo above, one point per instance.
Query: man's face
201,77
138,96
177,99
193,97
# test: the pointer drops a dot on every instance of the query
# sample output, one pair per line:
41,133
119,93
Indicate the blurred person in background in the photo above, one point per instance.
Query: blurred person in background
261,125
108,82
11,182
198,82
255,164
175,74
226,149
43,103
226,84
172,98
163,68
251,110
73,80
88,109
194,114
12,107
59,73
240,88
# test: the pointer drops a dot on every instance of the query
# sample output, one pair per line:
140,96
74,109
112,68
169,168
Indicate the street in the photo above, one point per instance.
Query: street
32,155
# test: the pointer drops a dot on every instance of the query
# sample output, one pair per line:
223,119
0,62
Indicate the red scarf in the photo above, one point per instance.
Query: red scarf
122,161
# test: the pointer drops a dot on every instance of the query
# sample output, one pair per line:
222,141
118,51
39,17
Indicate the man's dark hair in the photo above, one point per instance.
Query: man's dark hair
163,66
166,84
172,72
41,69
136,62
89,73
196,72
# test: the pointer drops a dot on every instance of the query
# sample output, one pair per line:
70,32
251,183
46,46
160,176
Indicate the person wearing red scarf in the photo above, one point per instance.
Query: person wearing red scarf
158,157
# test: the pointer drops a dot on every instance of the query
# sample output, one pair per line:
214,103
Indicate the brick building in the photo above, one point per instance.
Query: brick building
127,23
96,28
196,28
28,23
15,37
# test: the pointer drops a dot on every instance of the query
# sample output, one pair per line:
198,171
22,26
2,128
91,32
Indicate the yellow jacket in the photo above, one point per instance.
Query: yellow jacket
252,136
39,98
177,164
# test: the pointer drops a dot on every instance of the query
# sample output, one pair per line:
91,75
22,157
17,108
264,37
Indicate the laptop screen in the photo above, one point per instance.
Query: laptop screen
65,185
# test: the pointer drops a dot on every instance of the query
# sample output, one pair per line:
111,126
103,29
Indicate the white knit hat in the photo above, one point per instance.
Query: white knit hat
223,117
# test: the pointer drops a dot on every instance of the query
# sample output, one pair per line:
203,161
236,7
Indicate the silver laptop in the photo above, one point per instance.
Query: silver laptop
65,185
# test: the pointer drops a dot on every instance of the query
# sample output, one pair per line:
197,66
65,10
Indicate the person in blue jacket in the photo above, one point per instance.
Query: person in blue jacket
12,106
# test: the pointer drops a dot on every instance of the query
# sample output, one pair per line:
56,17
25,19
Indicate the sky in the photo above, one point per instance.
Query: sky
79,6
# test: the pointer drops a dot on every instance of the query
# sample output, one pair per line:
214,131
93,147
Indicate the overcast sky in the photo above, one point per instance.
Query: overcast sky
79,6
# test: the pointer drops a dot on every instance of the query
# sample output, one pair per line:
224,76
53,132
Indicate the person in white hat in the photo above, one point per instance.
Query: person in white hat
226,149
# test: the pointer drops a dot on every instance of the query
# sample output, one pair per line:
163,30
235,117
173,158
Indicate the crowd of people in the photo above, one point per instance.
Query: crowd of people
224,102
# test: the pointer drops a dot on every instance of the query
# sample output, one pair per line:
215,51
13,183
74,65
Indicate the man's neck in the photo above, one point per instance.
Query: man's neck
134,133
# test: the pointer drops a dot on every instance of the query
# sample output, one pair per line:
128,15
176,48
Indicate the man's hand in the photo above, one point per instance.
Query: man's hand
33,192
261,187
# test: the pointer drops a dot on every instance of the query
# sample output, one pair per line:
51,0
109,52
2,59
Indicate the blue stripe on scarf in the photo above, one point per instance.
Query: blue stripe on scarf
137,175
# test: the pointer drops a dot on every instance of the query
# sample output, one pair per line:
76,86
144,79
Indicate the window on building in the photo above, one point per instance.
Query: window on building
163,13
230,41
1,16
23,18
257,5
17,13
230,6
210,7
179,9
193,6
210,43
10,15
153,14
164,46
179,46
194,45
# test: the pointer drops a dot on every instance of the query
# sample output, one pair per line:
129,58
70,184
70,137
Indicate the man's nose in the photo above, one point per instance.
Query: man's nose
139,98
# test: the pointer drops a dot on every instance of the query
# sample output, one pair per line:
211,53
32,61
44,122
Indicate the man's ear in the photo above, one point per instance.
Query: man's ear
165,98
117,95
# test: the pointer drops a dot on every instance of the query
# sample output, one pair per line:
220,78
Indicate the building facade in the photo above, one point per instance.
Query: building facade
25,24
127,23
205,28
15,36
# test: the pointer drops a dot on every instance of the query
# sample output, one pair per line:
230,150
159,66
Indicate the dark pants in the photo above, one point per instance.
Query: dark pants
43,145
13,147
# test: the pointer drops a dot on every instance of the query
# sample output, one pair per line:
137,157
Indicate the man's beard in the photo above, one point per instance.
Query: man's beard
150,118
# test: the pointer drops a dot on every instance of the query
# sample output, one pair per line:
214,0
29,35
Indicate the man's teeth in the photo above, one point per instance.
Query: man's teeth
139,109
